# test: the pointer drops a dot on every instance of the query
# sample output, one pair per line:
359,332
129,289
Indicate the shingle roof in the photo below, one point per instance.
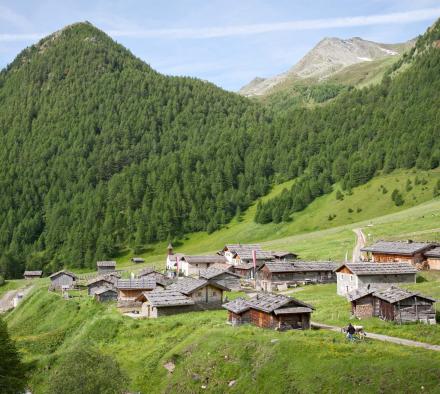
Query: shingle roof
300,266
211,272
266,302
222,266
104,290
379,268
106,264
292,310
143,283
359,293
244,266
99,279
33,273
281,254
211,259
433,252
137,259
395,294
242,247
166,298
239,305
71,274
398,247
188,285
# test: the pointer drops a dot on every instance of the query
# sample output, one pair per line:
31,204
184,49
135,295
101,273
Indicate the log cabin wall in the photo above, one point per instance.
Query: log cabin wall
393,258
434,263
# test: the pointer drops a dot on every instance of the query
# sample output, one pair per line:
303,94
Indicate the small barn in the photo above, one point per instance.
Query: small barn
165,303
160,278
393,304
62,280
281,273
245,270
32,274
355,276
269,310
105,294
433,258
137,260
130,289
223,277
205,294
397,251
99,283
105,266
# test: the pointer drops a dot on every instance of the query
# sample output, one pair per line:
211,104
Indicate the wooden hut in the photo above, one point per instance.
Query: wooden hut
268,310
223,277
105,294
160,278
245,270
105,266
433,258
397,251
191,265
137,260
165,303
62,280
205,294
99,283
129,289
32,274
281,273
394,304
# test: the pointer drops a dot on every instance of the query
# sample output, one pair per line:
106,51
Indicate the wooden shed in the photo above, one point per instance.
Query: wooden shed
191,265
62,280
137,260
280,273
223,277
105,294
433,258
205,294
269,310
130,289
105,266
397,251
150,272
165,303
32,274
394,304
99,283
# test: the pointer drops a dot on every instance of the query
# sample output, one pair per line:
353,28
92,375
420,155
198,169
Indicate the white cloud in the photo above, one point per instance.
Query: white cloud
308,24
241,30
11,17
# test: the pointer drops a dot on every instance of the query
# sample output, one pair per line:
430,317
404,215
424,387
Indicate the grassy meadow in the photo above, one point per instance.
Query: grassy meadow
209,354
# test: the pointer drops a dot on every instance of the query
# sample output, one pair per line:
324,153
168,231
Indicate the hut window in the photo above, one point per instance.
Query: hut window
199,294
214,293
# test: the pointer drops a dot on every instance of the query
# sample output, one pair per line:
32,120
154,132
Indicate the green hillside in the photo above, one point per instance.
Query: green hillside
207,353
133,158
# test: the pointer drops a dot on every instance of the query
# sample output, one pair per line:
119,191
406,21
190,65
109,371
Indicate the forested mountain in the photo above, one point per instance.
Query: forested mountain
99,151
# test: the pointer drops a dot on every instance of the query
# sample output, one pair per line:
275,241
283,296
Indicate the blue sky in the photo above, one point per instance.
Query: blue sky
227,42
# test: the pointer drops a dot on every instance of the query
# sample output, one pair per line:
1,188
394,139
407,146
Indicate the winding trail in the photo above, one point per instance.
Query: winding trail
383,338
360,243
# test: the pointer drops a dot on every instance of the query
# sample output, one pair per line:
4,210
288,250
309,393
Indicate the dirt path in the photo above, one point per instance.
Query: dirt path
384,338
7,301
360,243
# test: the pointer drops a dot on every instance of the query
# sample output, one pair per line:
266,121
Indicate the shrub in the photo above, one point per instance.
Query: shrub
350,210
397,198
339,195
2,280
87,371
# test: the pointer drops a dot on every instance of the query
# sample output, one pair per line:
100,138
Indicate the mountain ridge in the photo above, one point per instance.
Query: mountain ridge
328,57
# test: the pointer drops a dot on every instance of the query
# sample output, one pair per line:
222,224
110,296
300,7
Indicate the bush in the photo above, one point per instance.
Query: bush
87,371
2,280
350,210
397,198
339,195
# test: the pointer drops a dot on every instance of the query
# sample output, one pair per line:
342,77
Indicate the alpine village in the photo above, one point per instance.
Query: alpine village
159,234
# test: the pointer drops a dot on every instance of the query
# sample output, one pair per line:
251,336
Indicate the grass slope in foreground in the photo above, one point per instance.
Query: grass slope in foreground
209,353
367,204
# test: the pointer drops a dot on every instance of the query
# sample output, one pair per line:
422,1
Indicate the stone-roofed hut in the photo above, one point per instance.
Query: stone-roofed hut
105,266
105,294
165,303
433,258
205,294
268,310
137,260
99,283
62,280
397,251
280,273
354,276
191,265
223,277
150,272
129,289
394,304
32,274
